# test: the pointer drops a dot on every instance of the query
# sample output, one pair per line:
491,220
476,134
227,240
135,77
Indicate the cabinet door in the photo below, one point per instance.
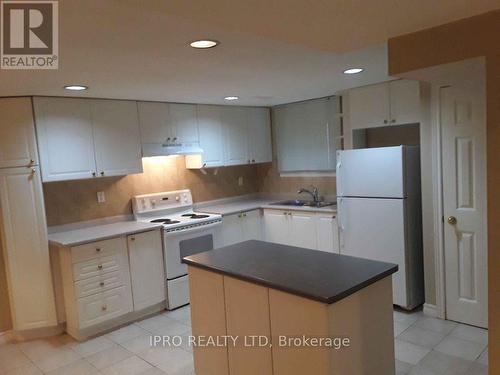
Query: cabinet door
17,133
26,251
303,230
276,226
231,229
146,269
328,236
252,225
234,120
369,106
211,135
259,135
182,118
65,139
117,137
154,122
405,102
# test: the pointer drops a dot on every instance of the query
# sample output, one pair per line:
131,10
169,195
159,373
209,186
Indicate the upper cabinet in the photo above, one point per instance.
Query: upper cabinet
259,135
81,138
211,136
17,133
183,122
307,135
390,103
234,120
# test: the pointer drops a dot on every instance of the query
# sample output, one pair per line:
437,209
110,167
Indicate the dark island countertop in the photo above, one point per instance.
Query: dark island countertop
317,275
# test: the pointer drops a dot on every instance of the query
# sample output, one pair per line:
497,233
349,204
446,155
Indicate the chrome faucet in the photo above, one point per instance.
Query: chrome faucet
314,193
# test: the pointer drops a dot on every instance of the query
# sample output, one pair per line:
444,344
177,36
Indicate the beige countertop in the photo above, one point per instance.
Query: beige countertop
99,232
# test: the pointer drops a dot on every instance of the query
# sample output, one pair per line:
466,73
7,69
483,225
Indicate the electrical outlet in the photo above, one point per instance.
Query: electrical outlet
240,181
101,197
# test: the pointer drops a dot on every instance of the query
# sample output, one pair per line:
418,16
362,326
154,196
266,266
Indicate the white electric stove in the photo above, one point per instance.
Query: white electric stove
185,233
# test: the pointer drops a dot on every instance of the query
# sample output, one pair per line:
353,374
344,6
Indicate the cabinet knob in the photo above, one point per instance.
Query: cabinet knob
32,161
245,215
285,213
33,170
174,139
93,174
99,267
102,173
248,161
393,120
452,220
253,160
385,121
132,238
101,283
98,249
104,308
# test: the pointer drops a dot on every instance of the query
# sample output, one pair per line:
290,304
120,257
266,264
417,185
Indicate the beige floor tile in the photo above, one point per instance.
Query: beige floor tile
80,367
154,371
444,364
400,327
27,369
418,336
406,317
162,325
477,369
418,370
11,359
92,346
126,333
408,352
483,358
436,325
470,333
177,362
138,344
108,357
468,350
402,368
43,348
61,358
182,314
130,366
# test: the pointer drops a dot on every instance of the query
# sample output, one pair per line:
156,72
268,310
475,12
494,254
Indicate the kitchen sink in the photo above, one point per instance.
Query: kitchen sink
301,203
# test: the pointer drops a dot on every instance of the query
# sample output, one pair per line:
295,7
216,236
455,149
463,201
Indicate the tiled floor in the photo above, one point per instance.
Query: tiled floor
424,346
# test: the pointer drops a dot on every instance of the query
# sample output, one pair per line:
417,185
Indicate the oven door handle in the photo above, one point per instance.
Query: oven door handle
194,229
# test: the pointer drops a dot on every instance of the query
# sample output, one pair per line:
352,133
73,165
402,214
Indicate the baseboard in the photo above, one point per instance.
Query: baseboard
37,333
430,310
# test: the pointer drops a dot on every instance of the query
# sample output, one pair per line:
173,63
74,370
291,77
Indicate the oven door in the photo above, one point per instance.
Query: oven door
187,242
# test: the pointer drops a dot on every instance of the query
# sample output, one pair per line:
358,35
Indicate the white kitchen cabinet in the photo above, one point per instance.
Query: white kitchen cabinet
17,133
242,226
390,103
154,122
65,138
276,226
183,121
116,137
234,120
328,233
302,229
25,246
259,135
146,269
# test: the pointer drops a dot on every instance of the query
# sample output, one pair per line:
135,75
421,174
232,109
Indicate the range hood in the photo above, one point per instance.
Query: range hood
159,149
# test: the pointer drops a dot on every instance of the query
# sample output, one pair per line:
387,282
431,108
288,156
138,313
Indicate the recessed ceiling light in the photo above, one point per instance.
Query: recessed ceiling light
231,98
203,43
353,71
75,87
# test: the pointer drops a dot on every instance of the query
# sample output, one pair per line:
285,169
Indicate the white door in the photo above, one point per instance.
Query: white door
259,135
405,102
116,137
231,229
328,234
211,135
26,250
375,229
154,123
371,172
276,226
464,198
182,118
65,139
252,225
17,133
303,229
369,106
146,269
234,120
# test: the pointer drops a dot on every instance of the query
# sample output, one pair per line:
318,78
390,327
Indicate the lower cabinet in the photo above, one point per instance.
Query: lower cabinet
312,230
240,227
110,282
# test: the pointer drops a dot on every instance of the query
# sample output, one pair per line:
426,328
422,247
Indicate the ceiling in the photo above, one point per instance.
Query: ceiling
271,52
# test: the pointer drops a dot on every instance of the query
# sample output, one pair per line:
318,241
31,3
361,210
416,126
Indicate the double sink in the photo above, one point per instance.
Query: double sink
303,203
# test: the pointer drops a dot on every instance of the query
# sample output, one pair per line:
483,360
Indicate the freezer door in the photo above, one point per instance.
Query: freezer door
374,228
371,172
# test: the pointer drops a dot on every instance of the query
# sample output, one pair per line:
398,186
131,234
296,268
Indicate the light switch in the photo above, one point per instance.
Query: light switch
101,197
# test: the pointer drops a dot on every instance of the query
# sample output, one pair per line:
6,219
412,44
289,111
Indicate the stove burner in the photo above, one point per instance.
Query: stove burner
165,221
196,216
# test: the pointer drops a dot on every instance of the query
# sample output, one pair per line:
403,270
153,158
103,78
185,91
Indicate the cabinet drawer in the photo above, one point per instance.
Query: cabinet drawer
97,249
98,266
104,306
98,284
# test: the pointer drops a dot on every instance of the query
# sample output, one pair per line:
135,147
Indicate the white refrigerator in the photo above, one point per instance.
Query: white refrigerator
379,213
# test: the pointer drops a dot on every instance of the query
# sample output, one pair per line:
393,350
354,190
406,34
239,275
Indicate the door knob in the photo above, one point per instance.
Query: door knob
452,220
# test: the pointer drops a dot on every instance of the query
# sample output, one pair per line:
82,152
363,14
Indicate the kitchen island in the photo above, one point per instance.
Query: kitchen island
265,308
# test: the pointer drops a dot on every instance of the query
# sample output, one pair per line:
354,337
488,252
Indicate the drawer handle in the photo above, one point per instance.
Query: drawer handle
132,238
101,283
104,308
99,267
98,249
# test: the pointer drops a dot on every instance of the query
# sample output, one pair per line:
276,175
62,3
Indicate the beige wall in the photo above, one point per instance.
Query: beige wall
5,322
456,41
72,201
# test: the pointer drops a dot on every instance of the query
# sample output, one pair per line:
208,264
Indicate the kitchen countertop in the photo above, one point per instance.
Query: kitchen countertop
316,275
99,232
243,205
